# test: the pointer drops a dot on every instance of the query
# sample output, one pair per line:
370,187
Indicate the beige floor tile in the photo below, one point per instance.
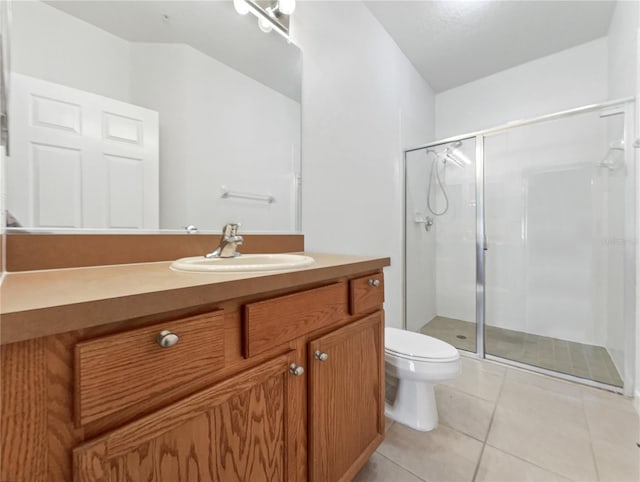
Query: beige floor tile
463,412
549,384
612,424
560,406
549,443
479,378
381,469
438,456
608,399
616,464
498,466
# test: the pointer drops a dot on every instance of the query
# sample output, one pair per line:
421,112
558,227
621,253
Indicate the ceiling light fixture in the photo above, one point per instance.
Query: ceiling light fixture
272,14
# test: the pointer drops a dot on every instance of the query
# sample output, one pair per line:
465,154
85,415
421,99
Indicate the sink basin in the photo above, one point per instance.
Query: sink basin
243,263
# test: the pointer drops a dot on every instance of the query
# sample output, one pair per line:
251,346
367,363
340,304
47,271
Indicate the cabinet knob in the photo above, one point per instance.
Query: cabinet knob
374,282
296,370
166,339
320,355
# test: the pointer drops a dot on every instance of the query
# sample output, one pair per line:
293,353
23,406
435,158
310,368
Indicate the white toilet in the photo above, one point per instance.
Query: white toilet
414,363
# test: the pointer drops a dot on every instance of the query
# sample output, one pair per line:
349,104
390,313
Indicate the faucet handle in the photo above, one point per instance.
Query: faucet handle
230,229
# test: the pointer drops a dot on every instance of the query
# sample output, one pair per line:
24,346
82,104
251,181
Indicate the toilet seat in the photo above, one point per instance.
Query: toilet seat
418,347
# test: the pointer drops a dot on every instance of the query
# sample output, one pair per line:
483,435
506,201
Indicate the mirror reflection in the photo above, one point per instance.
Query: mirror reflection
151,115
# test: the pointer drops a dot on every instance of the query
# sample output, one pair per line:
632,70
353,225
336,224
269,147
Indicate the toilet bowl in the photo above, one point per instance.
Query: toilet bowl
414,363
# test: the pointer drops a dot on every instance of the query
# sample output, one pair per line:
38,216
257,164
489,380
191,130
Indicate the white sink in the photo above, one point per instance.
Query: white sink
243,263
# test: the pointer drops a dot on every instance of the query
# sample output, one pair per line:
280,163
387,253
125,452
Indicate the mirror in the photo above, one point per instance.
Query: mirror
151,115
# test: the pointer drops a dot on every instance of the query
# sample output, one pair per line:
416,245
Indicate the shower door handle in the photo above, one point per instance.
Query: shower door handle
485,243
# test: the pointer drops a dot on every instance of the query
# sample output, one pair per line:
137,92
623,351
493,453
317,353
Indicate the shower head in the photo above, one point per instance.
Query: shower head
456,157
449,156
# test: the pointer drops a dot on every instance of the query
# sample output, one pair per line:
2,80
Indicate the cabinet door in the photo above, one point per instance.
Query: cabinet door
346,399
236,430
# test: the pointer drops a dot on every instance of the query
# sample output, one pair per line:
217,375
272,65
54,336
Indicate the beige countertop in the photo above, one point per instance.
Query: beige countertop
47,302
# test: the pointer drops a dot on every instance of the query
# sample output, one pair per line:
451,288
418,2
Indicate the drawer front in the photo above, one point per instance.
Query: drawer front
277,321
118,371
366,294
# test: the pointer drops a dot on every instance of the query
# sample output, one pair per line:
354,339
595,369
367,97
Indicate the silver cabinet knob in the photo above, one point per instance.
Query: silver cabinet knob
296,370
320,355
166,339
374,282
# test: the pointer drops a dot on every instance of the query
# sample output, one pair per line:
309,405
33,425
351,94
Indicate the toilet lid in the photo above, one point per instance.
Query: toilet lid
408,344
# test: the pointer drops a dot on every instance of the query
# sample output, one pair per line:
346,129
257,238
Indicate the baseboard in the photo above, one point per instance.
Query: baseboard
636,401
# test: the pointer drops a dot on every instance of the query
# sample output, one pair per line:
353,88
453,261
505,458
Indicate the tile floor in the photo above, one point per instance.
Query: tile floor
503,424
578,359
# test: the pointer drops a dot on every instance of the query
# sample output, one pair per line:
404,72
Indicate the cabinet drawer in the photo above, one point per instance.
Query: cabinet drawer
274,322
118,371
366,294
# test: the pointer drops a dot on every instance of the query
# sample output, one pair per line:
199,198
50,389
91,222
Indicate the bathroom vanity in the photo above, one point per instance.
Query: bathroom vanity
136,372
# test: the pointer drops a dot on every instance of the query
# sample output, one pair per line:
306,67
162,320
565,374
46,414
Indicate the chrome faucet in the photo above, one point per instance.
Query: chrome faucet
229,242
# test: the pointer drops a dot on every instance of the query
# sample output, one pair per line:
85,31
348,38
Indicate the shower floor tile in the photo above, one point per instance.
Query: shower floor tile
577,359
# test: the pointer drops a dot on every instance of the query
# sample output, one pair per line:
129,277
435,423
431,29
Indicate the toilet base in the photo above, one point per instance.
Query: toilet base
414,405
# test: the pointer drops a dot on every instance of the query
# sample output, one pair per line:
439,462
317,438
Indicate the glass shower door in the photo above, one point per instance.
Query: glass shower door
440,224
554,267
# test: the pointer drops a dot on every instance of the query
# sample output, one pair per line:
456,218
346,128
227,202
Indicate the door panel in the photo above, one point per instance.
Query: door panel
346,404
80,159
233,431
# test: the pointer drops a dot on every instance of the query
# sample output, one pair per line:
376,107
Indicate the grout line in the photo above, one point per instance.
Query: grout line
529,462
475,472
464,392
400,466
493,414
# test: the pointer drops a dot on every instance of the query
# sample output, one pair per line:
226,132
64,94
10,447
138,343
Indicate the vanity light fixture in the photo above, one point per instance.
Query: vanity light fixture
272,14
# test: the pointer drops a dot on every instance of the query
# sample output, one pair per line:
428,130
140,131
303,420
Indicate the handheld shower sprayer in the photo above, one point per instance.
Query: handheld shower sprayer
452,155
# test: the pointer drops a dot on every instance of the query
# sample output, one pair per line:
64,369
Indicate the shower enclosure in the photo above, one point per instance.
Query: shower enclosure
520,243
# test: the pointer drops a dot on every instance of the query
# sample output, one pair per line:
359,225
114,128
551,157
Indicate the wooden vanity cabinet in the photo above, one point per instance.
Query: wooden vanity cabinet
236,430
282,388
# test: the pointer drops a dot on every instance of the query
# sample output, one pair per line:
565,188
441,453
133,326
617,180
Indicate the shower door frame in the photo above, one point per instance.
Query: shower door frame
626,107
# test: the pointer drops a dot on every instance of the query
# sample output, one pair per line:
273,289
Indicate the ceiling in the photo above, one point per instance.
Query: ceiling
212,27
454,42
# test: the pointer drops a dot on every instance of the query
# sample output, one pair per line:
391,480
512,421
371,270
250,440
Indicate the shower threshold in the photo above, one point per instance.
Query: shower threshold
576,359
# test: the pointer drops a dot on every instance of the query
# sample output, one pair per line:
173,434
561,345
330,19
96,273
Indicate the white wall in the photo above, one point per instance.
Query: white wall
218,125
362,102
623,50
637,238
49,44
567,79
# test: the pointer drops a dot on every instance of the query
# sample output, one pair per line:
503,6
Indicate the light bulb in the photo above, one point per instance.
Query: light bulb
265,25
286,6
241,7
